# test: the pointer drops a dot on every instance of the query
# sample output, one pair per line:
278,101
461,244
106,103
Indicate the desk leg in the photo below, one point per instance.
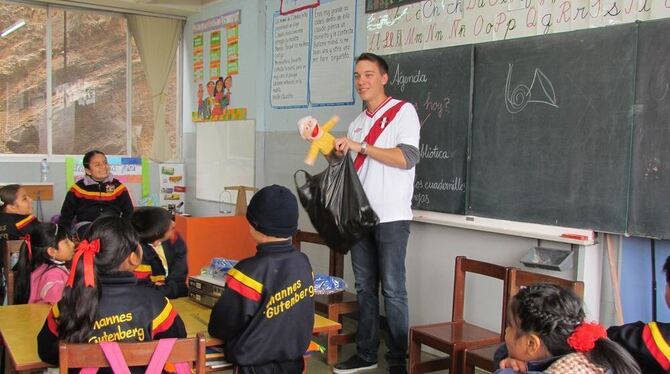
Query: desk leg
9,364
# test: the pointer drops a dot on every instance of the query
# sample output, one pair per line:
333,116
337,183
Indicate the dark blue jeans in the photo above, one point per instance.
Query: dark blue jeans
380,258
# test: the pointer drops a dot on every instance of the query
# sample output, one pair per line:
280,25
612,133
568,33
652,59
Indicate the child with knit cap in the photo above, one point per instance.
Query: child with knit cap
265,315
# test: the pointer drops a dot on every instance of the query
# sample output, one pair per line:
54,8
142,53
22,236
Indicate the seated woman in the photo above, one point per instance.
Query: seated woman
97,194
16,209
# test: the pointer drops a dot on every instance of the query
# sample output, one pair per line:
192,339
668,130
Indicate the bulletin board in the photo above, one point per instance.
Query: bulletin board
224,157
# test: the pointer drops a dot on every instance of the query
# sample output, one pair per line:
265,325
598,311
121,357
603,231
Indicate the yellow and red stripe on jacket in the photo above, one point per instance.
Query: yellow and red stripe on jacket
655,342
25,222
244,285
95,195
144,272
164,320
51,319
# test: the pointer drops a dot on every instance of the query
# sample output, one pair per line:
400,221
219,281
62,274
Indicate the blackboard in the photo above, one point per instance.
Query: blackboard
439,84
372,6
552,127
650,174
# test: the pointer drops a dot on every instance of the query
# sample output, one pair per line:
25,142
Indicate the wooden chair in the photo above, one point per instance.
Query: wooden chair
9,247
455,336
82,355
334,306
483,357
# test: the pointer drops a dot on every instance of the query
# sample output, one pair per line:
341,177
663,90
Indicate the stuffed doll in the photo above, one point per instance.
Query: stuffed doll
319,135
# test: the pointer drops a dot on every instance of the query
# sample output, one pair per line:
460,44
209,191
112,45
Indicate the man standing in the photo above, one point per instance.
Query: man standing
384,140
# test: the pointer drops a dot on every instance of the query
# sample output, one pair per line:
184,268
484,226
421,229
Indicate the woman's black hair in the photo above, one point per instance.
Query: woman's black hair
79,305
223,86
8,195
553,313
42,236
89,155
666,269
151,223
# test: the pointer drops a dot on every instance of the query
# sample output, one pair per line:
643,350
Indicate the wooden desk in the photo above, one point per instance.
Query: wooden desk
207,237
20,324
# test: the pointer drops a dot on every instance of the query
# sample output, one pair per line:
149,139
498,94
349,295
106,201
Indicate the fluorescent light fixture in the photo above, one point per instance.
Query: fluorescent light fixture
17,25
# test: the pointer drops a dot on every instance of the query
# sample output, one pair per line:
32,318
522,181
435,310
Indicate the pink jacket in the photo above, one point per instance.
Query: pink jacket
46,285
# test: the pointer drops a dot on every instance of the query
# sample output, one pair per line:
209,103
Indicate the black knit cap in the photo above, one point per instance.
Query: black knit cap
273,211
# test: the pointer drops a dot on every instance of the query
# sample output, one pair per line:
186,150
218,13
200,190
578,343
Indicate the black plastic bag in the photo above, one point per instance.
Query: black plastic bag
336,204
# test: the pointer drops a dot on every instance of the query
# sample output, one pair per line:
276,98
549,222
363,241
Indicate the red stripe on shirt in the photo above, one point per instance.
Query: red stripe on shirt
52,324
242,289
25,222
650,343
166,324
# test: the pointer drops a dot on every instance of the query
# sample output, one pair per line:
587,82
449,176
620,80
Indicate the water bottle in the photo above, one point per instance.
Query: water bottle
44,169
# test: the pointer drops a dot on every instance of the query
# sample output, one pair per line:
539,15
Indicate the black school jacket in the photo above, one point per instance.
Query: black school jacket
152,271
89,199
646,342
14,226
266,312
127,312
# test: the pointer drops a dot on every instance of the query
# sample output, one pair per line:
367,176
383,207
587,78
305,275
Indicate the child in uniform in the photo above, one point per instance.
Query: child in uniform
546,333
647,342
97,194
164,252
16,209
102,300
41,272
265,315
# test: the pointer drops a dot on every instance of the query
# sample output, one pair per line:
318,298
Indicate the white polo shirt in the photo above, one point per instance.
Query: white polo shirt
389,189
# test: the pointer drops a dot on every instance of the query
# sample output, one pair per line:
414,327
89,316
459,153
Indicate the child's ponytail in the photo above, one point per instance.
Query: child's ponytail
591,339
22,271
110,240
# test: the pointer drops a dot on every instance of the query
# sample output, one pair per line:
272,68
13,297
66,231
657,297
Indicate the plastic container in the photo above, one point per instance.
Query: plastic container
548,258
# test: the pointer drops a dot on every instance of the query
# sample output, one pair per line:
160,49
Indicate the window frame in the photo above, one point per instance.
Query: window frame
50,156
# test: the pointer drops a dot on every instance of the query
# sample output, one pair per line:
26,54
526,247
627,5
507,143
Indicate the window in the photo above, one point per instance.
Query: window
91,96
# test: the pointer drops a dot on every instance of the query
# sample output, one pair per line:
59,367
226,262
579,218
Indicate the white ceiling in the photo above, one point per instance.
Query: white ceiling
165,7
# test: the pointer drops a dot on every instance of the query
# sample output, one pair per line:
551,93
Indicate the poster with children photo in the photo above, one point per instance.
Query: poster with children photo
215,62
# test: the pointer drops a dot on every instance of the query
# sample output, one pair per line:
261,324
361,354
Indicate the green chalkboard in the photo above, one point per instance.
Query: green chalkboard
650,176
552,128
438,82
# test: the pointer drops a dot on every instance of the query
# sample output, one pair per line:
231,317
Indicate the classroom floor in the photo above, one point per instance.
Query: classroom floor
317,363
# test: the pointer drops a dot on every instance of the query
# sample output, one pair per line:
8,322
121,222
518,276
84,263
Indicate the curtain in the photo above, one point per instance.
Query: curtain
157,40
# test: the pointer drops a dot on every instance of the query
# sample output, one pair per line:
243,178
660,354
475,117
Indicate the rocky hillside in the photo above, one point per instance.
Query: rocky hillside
88,80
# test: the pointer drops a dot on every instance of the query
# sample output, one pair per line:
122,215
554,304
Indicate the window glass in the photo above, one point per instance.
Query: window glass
23,79
88,82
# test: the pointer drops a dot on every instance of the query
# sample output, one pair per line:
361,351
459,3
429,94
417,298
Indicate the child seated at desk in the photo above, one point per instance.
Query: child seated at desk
647,342
41,272
546,333
102,300
16,209
265,315
164,252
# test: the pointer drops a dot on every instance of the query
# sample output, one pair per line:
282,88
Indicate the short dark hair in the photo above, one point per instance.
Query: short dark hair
8,195
666,269
151,223
89,155
381,63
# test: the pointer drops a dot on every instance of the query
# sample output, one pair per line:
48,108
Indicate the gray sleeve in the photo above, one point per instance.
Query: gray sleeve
411,154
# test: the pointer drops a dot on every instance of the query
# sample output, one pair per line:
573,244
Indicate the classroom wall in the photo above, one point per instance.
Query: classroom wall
280,152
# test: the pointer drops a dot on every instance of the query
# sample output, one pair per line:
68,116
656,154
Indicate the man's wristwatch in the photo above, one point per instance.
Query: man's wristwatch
364,148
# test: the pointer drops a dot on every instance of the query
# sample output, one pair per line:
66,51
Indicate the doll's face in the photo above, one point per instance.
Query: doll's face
219,86
228,82
210,88
308,128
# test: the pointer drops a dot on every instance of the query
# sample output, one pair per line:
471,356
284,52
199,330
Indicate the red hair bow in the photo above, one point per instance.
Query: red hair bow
29,245
584,338
88,250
